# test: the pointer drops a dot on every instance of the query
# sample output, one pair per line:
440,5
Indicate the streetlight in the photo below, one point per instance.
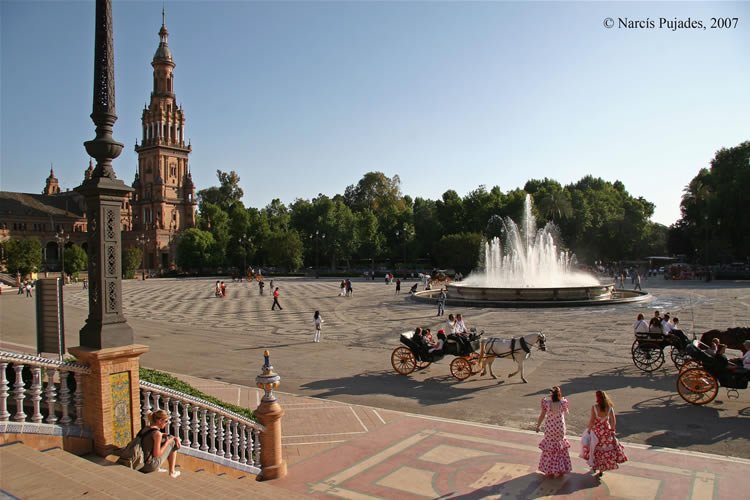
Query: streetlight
244,240
403,232
316,237
708,272
62,238
143,240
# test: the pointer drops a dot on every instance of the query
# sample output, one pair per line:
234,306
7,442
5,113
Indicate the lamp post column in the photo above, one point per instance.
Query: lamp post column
61,238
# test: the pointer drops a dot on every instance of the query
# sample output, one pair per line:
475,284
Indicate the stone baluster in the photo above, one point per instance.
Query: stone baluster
196,425
4,414
35,393
243,444
50,395
169,414
228,438
175,421
235,441
256,447
204,431
64,398
186,424
220,436
212,431
18,394
146,407
78,399
157,398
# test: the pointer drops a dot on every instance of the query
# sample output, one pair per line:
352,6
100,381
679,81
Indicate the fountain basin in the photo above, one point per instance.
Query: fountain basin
579,296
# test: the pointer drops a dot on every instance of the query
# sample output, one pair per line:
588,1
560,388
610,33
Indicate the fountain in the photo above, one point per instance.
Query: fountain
528,269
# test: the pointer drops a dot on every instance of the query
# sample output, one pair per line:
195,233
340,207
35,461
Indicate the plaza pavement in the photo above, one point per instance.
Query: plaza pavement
482,422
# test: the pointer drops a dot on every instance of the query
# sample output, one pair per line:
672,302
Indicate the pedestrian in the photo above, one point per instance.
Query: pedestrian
223,288
398,286
604,452
317,322
349,289
441,302
276,300
28,288
261,286
342,288
555,459
637,282
85,283
21,288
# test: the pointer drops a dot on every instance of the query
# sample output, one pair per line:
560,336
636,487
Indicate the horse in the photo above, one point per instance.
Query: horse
732,337
518,348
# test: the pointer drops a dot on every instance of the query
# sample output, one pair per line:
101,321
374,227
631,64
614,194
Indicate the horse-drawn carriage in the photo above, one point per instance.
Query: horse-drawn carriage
647,350
413,355
467,361
700,379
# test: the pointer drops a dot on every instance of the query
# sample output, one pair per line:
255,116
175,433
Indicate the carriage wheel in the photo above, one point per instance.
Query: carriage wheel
403,361
690,363
697,386
421,365
648,359
461,368
679,357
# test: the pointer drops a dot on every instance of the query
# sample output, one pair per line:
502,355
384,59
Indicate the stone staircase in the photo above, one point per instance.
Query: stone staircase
27,473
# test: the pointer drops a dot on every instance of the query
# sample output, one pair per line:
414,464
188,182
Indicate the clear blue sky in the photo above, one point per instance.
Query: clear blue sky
302,98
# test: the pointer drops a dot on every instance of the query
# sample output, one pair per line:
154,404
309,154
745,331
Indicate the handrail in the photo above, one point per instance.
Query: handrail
29,359
201,403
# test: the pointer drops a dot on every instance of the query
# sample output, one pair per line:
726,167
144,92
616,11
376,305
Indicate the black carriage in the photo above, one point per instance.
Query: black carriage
699,383
647,350
415,355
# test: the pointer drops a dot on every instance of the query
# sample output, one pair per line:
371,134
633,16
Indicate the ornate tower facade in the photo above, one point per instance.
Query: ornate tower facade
52,186
163,202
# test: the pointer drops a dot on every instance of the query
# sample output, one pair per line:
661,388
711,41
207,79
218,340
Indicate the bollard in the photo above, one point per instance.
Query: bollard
269,413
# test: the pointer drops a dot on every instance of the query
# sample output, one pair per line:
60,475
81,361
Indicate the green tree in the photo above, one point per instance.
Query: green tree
285,250
226,195
197,249
76,260
131,259
24,256
459,251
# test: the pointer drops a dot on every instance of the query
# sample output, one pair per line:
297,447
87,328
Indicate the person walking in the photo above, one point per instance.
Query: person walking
398,286
604,452
317,322
28,288
276,300
637,282
441,302
555,459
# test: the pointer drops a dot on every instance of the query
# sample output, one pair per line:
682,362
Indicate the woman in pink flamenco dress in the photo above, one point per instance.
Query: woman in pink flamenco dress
555,459
604,451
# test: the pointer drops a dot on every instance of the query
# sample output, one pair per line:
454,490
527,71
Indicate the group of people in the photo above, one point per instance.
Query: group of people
220,290
657,325
423,336
599,444
734,365
25,287
345,288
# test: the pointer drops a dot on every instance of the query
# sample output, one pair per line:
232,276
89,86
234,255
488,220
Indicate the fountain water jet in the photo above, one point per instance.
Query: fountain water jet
530,270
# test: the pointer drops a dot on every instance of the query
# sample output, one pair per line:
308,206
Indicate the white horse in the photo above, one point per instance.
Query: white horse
517,348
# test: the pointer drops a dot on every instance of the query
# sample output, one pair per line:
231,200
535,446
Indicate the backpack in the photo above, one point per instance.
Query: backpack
132,455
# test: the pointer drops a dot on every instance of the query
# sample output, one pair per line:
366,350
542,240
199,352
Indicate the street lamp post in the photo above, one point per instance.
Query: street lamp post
316,237
403,232
62,238
143,240
244,240
708,271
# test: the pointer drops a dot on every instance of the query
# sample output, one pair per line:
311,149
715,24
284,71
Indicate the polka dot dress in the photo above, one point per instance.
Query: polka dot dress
555,447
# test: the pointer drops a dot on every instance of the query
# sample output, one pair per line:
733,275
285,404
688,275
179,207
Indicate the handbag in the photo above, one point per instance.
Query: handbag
586,439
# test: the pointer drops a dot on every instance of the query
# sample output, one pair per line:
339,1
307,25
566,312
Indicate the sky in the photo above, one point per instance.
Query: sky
304,98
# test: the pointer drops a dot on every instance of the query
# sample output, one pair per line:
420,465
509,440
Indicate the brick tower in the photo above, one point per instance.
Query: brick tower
163,203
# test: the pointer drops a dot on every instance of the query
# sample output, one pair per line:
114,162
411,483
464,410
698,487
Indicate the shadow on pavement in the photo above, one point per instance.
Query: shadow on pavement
533,486
431,391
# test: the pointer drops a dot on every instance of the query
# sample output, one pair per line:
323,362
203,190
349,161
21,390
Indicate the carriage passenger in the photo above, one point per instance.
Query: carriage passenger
440,343
451,324
640,325
460,326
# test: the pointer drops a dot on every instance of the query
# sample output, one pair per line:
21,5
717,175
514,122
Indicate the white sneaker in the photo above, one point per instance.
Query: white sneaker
161,469
175,474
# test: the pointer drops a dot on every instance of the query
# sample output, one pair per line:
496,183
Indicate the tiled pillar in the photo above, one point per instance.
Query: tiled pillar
269,413
111,394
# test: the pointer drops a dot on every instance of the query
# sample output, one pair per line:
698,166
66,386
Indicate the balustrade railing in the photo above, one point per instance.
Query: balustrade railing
46,384
206,430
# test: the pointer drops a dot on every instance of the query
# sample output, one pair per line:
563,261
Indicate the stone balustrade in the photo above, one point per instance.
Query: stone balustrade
207,431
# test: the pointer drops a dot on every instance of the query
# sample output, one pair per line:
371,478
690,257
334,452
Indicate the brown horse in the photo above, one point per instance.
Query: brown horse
733,337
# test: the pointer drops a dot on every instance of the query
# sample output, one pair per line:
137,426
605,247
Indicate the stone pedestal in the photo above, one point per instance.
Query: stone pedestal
111,394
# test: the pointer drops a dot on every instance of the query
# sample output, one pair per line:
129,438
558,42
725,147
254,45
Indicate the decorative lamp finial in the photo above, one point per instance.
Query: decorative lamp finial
268,380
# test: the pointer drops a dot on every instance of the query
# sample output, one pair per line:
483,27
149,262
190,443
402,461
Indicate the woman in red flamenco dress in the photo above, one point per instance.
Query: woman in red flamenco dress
555,459
603,452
